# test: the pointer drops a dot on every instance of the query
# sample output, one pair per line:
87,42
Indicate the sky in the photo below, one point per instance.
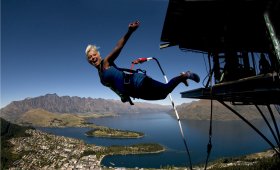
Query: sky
43,47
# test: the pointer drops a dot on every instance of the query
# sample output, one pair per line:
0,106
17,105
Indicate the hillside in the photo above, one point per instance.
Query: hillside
8,131
43,118
200,110
75,105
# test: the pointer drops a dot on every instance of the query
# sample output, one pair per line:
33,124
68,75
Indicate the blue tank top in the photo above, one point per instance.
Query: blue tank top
114,77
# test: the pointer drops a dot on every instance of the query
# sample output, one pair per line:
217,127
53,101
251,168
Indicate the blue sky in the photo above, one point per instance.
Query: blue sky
43,44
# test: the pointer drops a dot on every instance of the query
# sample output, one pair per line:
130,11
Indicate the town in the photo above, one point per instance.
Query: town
46,151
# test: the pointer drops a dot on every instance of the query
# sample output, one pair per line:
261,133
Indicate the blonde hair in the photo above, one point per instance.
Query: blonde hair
91,47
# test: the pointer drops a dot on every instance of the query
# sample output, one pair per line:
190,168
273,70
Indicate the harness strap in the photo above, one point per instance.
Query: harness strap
124,97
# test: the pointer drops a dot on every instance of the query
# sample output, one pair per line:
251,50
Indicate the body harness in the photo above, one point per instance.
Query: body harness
127,74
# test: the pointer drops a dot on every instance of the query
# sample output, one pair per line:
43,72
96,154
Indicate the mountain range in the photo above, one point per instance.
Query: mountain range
51,108
201,110
52,103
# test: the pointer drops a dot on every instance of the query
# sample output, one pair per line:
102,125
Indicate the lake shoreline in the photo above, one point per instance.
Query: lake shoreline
104,156
163,128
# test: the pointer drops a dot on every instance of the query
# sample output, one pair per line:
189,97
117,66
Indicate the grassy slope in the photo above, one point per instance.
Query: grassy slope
40,117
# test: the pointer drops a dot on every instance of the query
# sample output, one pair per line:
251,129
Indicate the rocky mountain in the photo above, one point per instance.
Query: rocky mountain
200,110
52,103
75,105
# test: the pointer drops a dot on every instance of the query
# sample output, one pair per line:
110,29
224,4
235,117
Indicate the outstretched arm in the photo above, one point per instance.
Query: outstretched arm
116,51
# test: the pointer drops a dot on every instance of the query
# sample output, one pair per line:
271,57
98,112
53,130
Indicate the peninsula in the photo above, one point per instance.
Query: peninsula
114,133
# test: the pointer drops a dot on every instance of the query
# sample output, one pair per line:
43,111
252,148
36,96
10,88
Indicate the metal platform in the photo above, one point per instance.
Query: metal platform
261,90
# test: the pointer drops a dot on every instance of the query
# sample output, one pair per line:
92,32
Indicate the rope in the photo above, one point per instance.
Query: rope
209,145
177,115
252,126
267,123
141,60
277,107
274,121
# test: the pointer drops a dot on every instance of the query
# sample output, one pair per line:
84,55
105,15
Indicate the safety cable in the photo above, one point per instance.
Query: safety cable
177,115
209,145
268,124
274,121
277,107
141,60
252,126
178,118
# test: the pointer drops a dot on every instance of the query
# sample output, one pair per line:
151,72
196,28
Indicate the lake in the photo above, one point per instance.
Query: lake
229,138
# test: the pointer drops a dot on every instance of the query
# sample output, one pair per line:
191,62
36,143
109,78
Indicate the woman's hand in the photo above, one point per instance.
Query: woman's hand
116,51
133,26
